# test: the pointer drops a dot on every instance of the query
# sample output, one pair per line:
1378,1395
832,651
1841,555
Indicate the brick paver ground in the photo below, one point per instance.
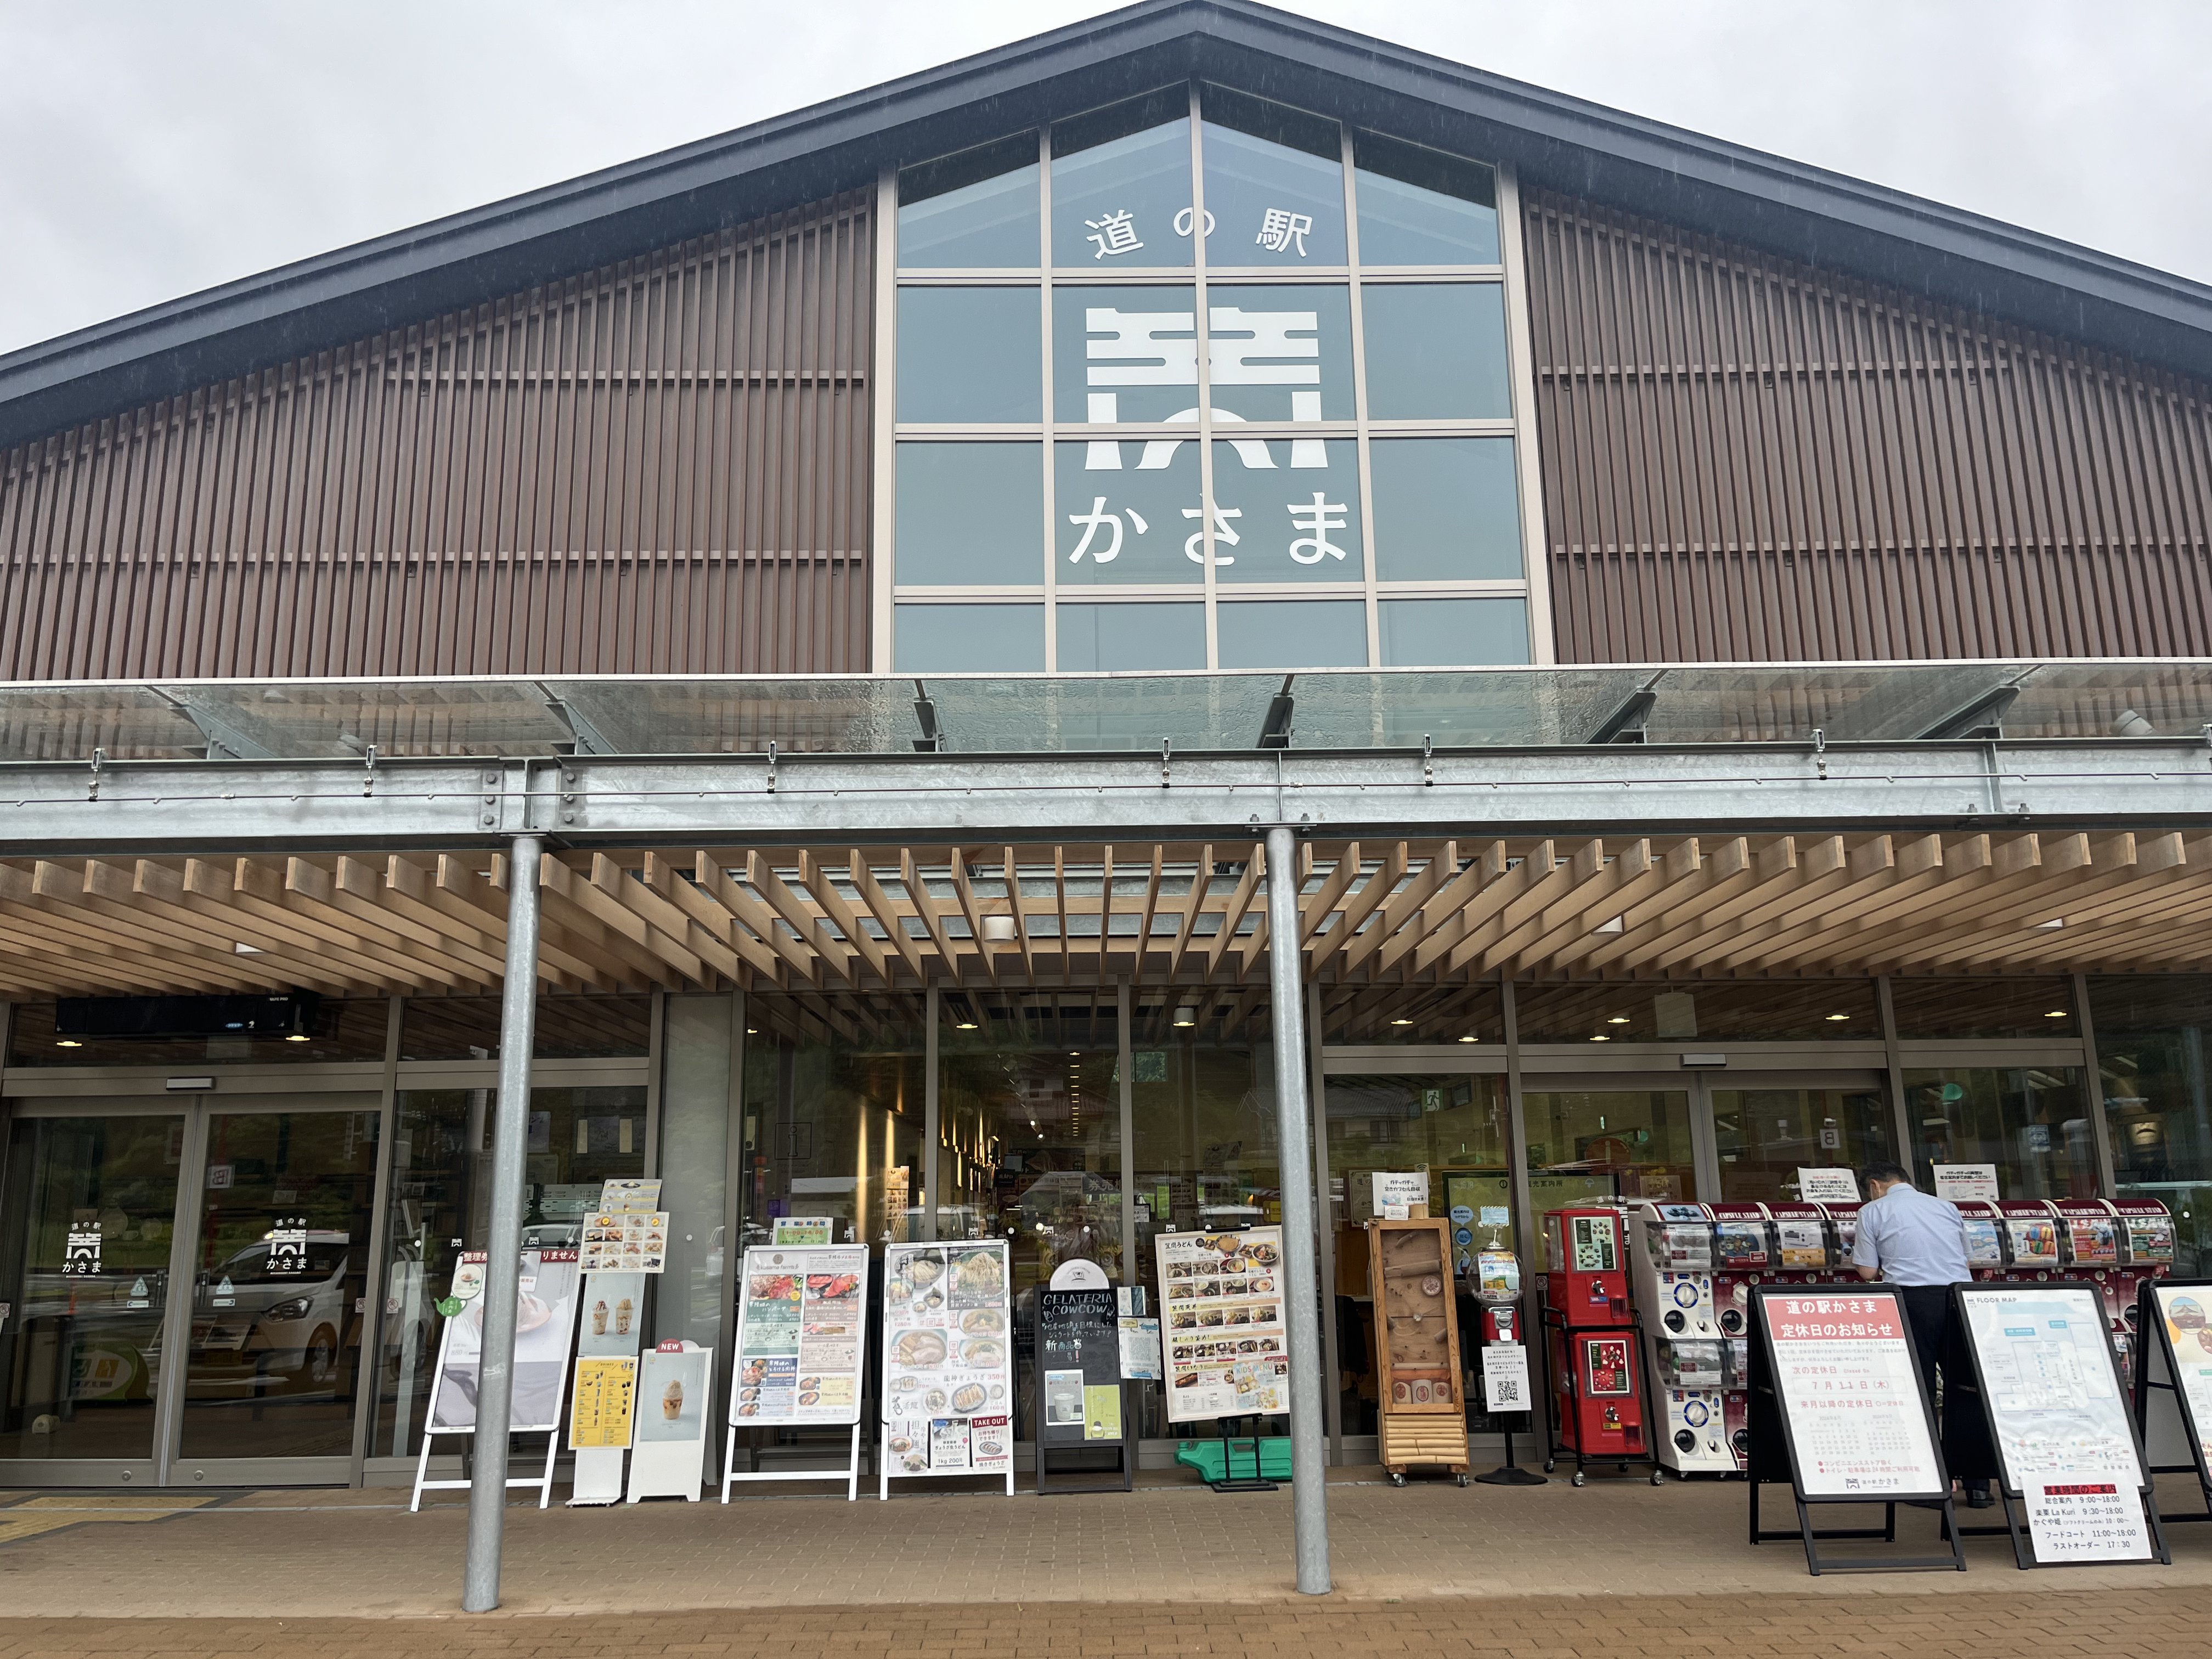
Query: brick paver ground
1618,1569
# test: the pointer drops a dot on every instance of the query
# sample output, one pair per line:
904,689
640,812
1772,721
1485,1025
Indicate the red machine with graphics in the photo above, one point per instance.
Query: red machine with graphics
2030,1233
2146,1231
1804,1249
1590,1344
1987,1254
1843,1230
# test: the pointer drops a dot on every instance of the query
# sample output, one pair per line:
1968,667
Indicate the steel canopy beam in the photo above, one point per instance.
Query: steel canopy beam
168,806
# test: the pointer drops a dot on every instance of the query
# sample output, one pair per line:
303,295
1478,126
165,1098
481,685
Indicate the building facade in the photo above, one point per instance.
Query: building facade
1170,401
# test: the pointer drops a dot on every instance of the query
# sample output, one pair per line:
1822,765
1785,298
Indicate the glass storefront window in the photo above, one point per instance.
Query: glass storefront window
1463,1015
566,1028
1435,351
2152,1036
1293,633
1129,513
973,211
1281,352
440,1198
1124,355
969,355
1740,1010
1455,1127
962,639
1446,509
1590,1143
1130,638
1440,633
2028,1121
1029,1143
1765,1136
1120,184
835,1098
1422,207
1937,1008
85,1234
1274,183
971,514
343,1027
1287,512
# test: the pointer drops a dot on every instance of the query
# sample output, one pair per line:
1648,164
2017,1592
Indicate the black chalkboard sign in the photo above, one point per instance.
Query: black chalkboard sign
1080,1400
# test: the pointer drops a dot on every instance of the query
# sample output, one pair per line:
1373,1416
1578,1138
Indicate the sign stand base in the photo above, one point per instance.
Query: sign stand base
1809,1535
1231,1480
850,1474
543,1481
1512,1475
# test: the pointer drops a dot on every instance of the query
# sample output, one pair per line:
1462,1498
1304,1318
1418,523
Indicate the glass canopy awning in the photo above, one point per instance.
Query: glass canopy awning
1193,712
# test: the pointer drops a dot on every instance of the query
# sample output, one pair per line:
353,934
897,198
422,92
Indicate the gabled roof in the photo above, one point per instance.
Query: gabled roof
1566,143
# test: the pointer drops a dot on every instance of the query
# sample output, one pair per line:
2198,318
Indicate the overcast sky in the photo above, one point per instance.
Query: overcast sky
153,148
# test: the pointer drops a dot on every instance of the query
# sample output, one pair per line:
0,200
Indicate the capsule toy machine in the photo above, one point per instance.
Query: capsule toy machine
2031,1240
1844,1230
1987,1253
1589,1342
1743,1256
2089,1249
2146,1232
1684,1352
1804,1249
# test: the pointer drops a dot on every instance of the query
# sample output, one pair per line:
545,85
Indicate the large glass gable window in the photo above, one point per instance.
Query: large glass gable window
1253,411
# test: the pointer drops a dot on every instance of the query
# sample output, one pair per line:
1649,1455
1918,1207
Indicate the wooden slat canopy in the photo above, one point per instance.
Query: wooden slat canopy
1438,916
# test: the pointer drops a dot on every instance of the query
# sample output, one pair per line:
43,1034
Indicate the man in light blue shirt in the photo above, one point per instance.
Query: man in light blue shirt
1918,1243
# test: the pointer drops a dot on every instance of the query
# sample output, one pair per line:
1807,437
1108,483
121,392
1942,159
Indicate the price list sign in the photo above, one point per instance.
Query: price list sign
1843,1376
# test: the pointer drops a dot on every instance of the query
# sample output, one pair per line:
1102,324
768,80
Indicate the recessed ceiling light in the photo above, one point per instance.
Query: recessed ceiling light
1601,1038
299,1037
2056,1013
1835,1017
1401,1022
1470,1039
1617,1019
67,1042
966,1025
1186,1016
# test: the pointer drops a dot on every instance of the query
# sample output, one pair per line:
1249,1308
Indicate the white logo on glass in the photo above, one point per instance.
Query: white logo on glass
1114,232
1132,354
1280,228
1316,517
1099,519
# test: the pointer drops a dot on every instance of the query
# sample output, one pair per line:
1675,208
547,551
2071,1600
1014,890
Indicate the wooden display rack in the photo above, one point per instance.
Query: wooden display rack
1420,1395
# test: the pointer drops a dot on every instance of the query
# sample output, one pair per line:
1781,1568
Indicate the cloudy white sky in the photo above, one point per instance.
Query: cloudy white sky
155,148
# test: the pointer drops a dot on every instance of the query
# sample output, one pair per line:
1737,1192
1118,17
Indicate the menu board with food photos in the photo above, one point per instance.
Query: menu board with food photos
1221,1300
802,1316
948,1377
625,1240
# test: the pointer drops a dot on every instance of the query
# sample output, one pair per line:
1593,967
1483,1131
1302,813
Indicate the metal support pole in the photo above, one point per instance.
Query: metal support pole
1301,1282
518,1040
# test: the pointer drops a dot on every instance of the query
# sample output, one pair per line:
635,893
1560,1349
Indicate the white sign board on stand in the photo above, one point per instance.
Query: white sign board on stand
1505,1377
802,1338
604,1393
668,1448
1856,1419
948,1363
544,1323
1218,1293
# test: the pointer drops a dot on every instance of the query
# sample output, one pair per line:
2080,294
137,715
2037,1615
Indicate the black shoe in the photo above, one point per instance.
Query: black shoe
1977,1497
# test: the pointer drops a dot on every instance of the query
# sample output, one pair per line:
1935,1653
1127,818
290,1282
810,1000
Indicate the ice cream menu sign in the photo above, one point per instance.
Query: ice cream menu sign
801,1316
1843,1375
948,1360
1221,1304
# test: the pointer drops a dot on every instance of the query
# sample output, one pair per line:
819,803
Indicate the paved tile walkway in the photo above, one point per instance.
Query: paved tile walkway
1618,1569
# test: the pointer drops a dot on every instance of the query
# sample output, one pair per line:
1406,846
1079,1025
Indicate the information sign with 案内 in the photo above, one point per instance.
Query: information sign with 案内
1856,1420
2086,1521
1221,1300
802,1325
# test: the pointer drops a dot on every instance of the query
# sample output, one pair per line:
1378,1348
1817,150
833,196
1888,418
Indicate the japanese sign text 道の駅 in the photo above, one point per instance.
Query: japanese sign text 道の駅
1843,1377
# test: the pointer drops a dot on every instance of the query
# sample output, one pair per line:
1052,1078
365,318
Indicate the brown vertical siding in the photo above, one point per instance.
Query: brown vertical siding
659,466
1746,458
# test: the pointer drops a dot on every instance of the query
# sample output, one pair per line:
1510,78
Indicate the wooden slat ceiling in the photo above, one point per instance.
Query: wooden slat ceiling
1384,919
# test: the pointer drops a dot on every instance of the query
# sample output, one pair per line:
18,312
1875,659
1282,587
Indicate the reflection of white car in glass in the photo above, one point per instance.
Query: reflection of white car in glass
250,1322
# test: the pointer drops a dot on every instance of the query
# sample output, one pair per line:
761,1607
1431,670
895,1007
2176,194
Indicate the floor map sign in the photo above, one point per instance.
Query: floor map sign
1222,1302
948,1360
801,1315
2054,1395
1843,1376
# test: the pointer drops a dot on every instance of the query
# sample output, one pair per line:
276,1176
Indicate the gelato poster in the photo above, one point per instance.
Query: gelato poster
544,1321
948,1360
802,1313
1221,1304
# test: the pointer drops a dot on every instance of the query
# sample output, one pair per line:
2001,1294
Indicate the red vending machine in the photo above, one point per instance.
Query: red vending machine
1589,1342
2146,1249
1804,1247
1986,1254
1844,1228
1743,1256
